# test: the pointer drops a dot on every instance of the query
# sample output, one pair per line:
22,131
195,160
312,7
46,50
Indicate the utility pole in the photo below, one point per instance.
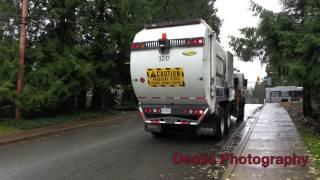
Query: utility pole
22,50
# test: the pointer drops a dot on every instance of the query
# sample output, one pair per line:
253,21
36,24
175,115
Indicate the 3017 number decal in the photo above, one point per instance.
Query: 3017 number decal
164,58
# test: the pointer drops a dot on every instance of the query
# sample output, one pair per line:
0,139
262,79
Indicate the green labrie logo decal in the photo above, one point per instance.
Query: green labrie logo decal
189,53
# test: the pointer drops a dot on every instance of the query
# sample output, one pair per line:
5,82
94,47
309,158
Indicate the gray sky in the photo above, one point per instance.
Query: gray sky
235,15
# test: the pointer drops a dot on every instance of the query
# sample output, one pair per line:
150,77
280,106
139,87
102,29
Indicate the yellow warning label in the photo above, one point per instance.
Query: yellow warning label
165,77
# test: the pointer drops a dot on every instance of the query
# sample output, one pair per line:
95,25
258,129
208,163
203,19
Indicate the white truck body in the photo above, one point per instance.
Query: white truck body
187,76
196,67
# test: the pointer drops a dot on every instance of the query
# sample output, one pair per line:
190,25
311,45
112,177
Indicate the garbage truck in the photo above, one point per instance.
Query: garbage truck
182,78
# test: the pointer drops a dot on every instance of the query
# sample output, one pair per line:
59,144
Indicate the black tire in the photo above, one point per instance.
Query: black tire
227,121
220,123
240,113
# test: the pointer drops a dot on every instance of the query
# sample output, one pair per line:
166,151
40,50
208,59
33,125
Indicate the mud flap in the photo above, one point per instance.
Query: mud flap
207,127
206,131
153,128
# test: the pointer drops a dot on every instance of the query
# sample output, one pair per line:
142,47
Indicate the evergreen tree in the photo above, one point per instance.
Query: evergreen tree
289,38
78,46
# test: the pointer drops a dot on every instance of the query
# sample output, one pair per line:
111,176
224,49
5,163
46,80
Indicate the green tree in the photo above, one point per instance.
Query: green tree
75,47
179,9
290,37
107,29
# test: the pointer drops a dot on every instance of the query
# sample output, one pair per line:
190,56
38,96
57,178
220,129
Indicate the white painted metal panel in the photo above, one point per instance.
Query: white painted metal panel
199,69
194,90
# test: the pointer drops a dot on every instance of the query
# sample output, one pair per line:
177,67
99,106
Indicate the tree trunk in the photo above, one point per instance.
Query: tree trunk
96,103
82,100
307,107
108,101
69,105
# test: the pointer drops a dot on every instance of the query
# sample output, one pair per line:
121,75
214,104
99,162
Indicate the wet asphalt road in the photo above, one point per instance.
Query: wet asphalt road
121,150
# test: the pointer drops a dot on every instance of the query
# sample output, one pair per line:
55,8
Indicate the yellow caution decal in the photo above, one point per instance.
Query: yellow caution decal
166,77
189,53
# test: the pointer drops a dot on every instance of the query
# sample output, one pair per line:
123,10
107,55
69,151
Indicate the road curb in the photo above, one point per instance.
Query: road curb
256,113
230,168
35,133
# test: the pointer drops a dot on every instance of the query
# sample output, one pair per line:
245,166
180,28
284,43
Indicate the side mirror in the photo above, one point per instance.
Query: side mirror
236,83
245,83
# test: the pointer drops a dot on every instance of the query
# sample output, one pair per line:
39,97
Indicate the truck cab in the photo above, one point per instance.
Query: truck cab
240,86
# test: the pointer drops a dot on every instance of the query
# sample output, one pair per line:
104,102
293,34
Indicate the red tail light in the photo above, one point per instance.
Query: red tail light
164,36
193,111
197,42
152,110
188,42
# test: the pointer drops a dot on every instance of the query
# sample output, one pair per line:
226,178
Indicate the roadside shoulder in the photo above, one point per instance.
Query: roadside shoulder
273,135
19,135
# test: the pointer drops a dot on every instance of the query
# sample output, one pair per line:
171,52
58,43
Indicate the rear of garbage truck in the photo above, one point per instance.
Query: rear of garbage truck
173,75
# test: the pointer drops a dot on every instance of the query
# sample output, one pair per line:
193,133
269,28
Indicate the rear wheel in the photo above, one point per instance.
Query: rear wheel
240,113
227,121
221,123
